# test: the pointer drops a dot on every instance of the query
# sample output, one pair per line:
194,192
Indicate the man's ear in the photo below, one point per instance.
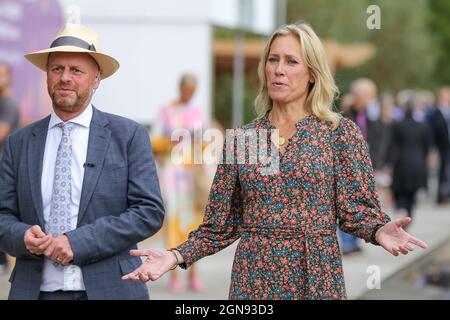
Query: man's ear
98,78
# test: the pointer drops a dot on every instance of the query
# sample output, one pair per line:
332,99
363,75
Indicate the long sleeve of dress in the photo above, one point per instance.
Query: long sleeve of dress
357,204
223,215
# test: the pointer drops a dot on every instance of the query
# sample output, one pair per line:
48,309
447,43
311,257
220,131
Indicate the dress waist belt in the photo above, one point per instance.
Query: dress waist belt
317,261
287,233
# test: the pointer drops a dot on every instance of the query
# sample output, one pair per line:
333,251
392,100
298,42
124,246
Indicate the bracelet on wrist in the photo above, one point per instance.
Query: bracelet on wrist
176,257
374,233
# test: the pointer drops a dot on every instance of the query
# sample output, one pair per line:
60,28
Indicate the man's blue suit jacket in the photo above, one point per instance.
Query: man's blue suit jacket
120,206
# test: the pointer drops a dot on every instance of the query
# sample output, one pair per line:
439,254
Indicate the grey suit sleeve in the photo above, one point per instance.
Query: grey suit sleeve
12,230
110,235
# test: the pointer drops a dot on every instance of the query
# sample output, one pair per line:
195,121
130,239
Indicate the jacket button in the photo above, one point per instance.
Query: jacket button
39,269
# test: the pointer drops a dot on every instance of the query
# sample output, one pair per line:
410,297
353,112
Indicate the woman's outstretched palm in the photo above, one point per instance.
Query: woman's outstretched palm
395,240
158,262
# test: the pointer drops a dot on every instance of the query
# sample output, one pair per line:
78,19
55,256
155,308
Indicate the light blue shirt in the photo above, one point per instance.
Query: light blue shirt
68,278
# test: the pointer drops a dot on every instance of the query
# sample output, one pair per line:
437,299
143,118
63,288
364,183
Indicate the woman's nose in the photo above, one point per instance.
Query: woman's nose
279,70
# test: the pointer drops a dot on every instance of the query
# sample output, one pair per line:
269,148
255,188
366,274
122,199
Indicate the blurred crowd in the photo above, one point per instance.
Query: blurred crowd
408,137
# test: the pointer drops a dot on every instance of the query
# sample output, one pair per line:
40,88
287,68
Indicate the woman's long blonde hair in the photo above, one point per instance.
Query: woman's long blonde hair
322,92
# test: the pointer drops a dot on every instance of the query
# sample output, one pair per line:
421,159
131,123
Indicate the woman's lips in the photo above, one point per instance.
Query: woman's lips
278,84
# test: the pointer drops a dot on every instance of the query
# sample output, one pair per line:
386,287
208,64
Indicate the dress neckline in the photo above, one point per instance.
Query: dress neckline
303,121
300,124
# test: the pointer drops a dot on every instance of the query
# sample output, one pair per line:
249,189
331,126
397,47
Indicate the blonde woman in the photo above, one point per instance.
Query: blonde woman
286,221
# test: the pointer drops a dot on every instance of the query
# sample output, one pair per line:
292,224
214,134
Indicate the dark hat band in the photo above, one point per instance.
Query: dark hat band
72,41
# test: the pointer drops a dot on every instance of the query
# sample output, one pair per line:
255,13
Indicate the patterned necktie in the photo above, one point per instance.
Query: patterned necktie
59,220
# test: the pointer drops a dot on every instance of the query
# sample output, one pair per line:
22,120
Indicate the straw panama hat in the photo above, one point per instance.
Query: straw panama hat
76,38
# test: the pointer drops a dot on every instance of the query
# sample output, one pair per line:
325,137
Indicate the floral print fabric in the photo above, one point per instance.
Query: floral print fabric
287,221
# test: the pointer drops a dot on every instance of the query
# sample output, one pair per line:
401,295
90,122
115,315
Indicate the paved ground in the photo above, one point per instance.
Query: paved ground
430,224
426,278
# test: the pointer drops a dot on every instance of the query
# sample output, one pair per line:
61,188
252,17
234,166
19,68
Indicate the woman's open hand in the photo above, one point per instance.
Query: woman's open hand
395,240
158,262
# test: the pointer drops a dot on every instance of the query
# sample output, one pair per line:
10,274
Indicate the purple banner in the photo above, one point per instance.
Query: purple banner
27,26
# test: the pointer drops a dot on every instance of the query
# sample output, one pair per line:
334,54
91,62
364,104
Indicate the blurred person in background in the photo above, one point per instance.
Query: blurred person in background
364,95
179,177
9,121
408,154
379,148
423,101
423,112
286,218
347,101
365,90
440,123
401,99
379,136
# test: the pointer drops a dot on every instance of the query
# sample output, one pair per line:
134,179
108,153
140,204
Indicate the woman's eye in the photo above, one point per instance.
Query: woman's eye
292,61
272,59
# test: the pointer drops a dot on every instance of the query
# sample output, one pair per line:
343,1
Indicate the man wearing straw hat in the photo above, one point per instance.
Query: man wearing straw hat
79,188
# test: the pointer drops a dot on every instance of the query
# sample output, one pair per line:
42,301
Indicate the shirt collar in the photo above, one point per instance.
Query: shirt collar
83,119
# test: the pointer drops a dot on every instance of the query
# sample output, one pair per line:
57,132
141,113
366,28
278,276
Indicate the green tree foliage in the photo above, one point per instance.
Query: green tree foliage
223,98
406,54
341,20
440,27
405,46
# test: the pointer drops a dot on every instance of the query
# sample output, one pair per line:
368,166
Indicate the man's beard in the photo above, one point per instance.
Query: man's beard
69,103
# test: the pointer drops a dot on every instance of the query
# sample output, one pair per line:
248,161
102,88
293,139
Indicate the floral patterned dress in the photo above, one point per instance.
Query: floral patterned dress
287,221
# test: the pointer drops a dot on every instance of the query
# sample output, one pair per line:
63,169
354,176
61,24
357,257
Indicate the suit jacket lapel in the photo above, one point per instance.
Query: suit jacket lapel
99,136
36,148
